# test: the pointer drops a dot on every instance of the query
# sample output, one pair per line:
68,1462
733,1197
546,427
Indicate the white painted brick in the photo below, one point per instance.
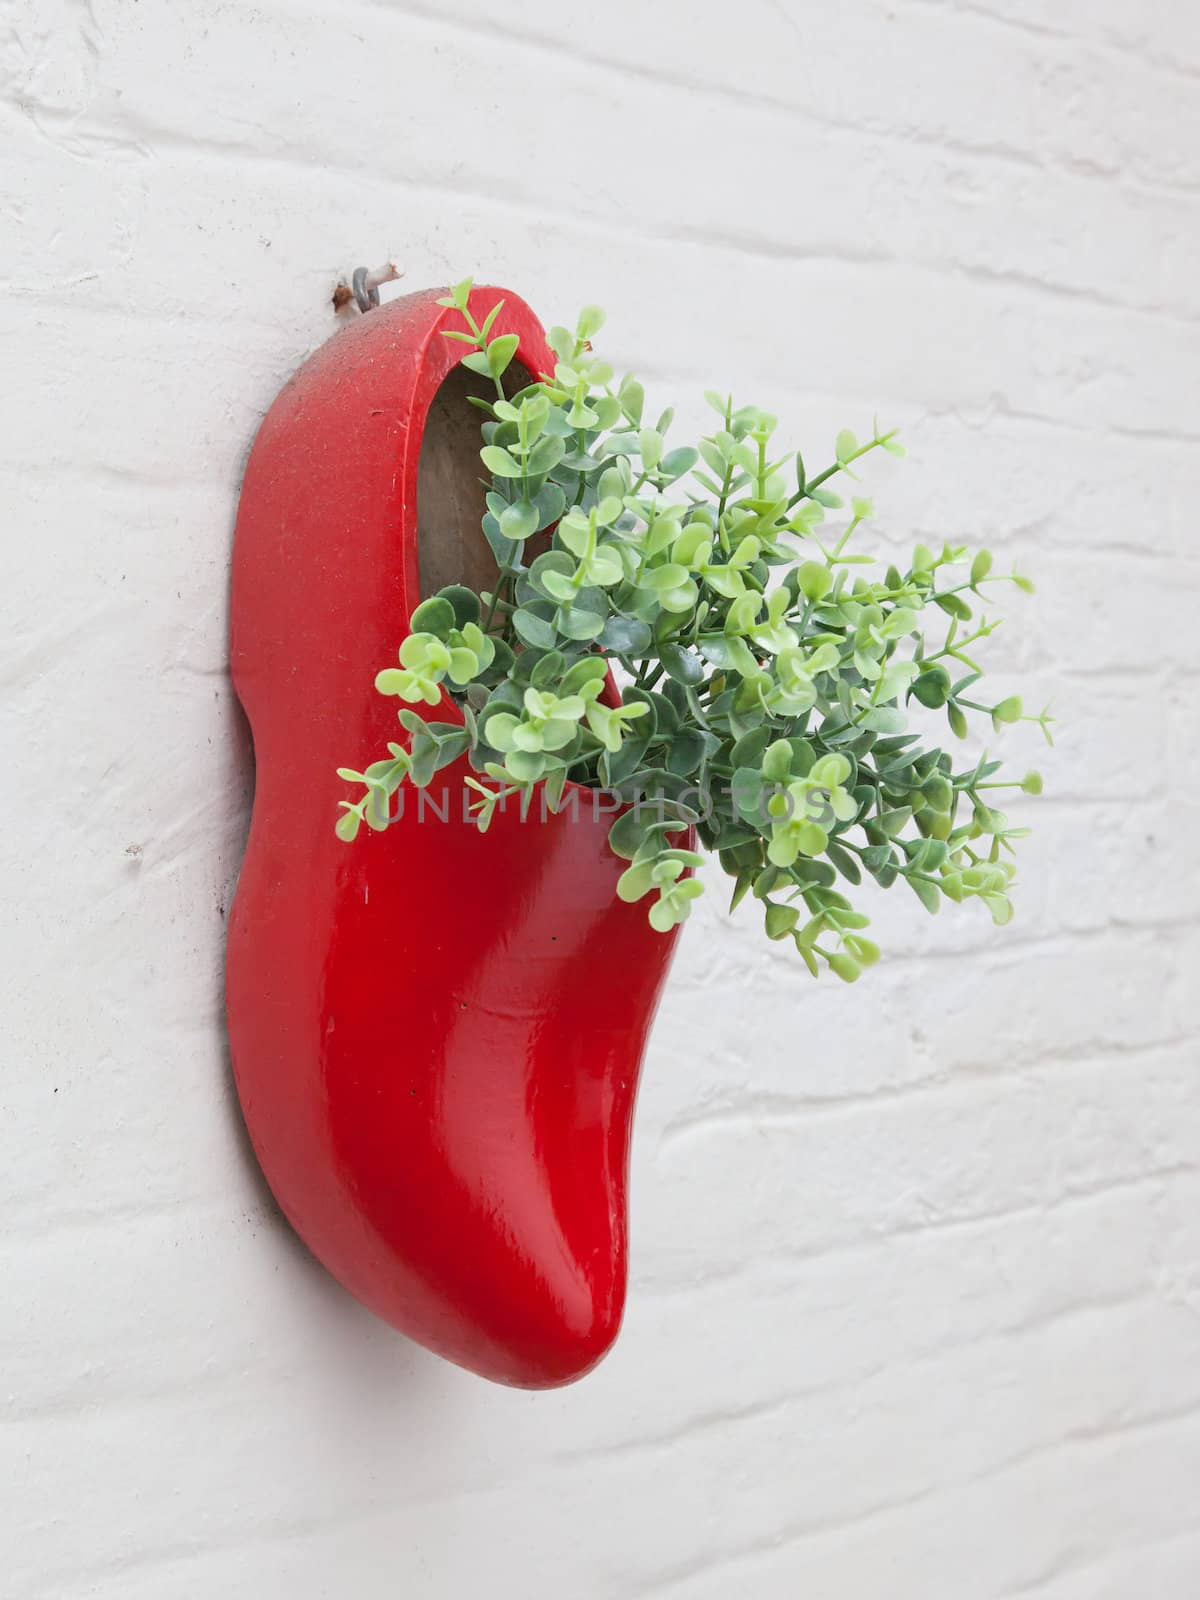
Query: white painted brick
915,1285
1159,31
994,1537
836,1320
1047,231
1165,1566
1022,1139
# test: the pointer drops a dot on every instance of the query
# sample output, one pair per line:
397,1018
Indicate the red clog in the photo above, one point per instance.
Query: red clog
436,1034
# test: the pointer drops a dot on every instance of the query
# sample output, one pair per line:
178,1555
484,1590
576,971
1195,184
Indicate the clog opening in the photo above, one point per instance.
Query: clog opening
450,492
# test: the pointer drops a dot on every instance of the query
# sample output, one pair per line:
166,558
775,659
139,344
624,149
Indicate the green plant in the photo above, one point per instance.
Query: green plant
769,679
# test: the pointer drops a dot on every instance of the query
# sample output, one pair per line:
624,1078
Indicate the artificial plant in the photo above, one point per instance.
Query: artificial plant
769,680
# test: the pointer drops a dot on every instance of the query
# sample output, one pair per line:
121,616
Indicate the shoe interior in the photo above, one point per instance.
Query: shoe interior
450,488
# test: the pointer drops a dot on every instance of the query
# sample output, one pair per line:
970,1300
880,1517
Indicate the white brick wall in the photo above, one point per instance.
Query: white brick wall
916,1297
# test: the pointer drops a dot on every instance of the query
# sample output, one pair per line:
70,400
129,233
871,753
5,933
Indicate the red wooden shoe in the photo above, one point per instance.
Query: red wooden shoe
436,1034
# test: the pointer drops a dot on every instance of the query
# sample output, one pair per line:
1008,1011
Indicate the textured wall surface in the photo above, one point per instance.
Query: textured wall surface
916,1297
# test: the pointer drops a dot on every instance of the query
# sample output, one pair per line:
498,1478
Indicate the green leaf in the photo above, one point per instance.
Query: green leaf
548,669
436,615
576,622
546,454
650,444
748,751
686,752
717,650
485,326
633,400
500,352
463,601
927,893
845,967
981,566
348,823
534,630
551,503
499,463
676,462
557,562
844,862
624,636
630,831
954,606
669,576
885,719
815,580
681,664
864,951
932,687
591,669
519,520
730,654
777,762
424,762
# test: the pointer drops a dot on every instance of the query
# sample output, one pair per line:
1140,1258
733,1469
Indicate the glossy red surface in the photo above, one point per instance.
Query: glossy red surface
436,1035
